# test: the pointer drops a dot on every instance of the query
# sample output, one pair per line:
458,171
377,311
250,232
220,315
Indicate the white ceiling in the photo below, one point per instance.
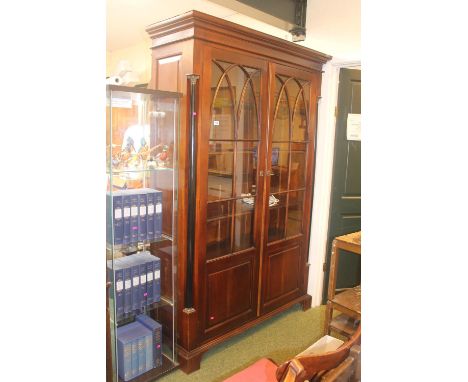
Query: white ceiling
333,26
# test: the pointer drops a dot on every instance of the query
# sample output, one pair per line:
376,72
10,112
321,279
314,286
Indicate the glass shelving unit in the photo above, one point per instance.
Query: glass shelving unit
141,251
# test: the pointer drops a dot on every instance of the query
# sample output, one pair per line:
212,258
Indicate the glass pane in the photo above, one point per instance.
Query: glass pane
219,217
220,169
295,213
248,107
281,118
299,128
244,223
246,168
222,116
298,166
218,229
277,216
217,210
279,167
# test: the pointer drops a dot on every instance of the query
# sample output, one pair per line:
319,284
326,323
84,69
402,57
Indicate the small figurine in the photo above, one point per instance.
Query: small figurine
162,159
144,149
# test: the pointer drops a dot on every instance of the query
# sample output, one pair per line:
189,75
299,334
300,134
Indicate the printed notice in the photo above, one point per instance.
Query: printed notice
353,127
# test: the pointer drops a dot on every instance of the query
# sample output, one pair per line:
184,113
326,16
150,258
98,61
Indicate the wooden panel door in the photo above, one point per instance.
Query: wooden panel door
288,185
345,201
231,196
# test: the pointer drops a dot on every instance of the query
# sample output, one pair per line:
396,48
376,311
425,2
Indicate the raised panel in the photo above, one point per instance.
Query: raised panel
229,293
283,273
168,73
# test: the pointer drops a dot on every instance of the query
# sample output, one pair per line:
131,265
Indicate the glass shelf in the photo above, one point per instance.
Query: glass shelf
116,172
130,317
135,247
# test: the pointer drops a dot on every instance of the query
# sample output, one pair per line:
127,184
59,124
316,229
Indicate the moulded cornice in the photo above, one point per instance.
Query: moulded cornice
199,25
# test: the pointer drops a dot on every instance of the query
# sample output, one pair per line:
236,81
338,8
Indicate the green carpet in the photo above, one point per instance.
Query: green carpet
279,338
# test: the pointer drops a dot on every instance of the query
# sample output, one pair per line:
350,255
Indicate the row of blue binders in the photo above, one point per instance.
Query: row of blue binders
138,347
137,281
136,215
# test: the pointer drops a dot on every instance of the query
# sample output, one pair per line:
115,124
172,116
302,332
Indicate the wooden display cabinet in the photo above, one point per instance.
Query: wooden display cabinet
246,171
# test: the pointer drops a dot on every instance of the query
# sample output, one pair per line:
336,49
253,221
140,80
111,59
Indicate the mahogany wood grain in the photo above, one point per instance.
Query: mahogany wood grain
233,292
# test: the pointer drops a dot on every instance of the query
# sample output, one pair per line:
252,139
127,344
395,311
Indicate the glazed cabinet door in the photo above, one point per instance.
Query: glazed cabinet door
231,190
288,182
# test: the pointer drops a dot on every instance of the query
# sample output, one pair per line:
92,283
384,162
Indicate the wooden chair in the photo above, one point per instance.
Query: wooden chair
339,365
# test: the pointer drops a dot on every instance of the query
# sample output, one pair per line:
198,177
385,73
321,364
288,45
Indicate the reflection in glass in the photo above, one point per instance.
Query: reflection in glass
277,218
298,166
244,223
218,237
299,128
220,167
248,115
281,118
223,111
218,210
295,213
246,168
279,167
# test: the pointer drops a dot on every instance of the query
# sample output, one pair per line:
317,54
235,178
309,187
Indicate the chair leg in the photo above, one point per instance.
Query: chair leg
328,317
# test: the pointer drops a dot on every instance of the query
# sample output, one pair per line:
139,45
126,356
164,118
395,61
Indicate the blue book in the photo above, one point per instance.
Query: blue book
134,357
114,219
127,272
134,203
150,215
157,279
158,214
150,282
140,334
127,350
135,276
149,351
126,204
149,279
124,353
119,289
143,292
141,355
142,220
156,330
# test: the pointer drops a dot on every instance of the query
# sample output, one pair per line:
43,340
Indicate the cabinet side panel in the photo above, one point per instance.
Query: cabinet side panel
170,64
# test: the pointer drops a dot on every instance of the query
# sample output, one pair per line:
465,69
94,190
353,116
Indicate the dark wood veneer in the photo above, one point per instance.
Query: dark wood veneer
235,291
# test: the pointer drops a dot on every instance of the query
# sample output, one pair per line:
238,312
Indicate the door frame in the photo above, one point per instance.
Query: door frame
323,174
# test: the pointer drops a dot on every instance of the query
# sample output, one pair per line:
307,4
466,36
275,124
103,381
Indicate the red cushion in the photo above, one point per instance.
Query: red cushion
263,370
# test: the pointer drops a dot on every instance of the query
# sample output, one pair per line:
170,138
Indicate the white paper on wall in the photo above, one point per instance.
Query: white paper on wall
353,127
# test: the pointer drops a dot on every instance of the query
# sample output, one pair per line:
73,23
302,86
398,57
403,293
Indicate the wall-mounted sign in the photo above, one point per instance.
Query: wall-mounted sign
353,127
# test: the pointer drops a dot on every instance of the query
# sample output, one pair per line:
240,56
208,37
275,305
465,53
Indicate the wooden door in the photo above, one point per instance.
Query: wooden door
288,184
231,150
345,201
